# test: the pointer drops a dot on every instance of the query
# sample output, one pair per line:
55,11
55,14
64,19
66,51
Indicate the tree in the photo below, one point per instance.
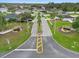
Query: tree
24,16
2,22
75,24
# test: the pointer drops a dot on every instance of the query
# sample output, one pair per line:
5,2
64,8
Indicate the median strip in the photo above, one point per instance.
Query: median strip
39,42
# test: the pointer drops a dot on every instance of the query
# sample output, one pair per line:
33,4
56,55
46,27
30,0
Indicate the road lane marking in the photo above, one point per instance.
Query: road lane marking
17,47
25,49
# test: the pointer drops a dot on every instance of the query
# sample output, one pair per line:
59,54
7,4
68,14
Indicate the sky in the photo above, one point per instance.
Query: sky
37,1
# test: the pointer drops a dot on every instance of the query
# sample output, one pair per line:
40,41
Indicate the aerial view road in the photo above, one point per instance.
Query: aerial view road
51,49
39,29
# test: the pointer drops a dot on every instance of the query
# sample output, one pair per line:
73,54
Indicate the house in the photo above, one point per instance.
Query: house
10,16
19,11
63,13
60,12
28,11
34,8
3,9
68,18
72,12
42,9
21,7
24,20
57,18
27,19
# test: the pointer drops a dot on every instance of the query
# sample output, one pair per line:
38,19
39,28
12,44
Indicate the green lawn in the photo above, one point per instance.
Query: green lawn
39,27
67,40
15,38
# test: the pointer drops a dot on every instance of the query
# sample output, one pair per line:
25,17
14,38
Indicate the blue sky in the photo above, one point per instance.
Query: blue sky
37,1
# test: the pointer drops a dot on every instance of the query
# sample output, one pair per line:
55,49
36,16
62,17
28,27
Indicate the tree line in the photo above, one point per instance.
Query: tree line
64,6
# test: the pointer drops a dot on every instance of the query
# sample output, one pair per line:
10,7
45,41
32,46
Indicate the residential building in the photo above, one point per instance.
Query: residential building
3,9
68,18
10,16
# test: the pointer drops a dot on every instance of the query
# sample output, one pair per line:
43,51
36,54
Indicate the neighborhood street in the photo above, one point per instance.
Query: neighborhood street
39,29
23,50
50,48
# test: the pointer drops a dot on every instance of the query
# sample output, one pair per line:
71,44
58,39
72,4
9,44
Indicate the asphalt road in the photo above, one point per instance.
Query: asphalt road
30,44
23,53
1,54
51,48
45,28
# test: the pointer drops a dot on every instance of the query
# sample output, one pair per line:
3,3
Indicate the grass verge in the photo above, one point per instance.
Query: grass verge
67,40
12,40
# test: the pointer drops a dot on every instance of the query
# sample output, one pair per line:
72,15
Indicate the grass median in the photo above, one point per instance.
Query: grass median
39,24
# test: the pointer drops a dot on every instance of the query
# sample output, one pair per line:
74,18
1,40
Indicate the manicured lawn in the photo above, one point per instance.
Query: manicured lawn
67,40
12,40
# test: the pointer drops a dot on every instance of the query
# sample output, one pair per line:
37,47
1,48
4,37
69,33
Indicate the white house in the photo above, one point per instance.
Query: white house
3,9
22,11
57,18
68,18
43,8
19,11
72,12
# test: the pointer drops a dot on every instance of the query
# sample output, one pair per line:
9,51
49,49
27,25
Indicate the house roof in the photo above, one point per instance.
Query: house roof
67,16
1,9
56,18
11,16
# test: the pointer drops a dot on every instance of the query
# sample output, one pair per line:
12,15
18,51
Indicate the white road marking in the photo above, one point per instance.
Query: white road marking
16,48
25,49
